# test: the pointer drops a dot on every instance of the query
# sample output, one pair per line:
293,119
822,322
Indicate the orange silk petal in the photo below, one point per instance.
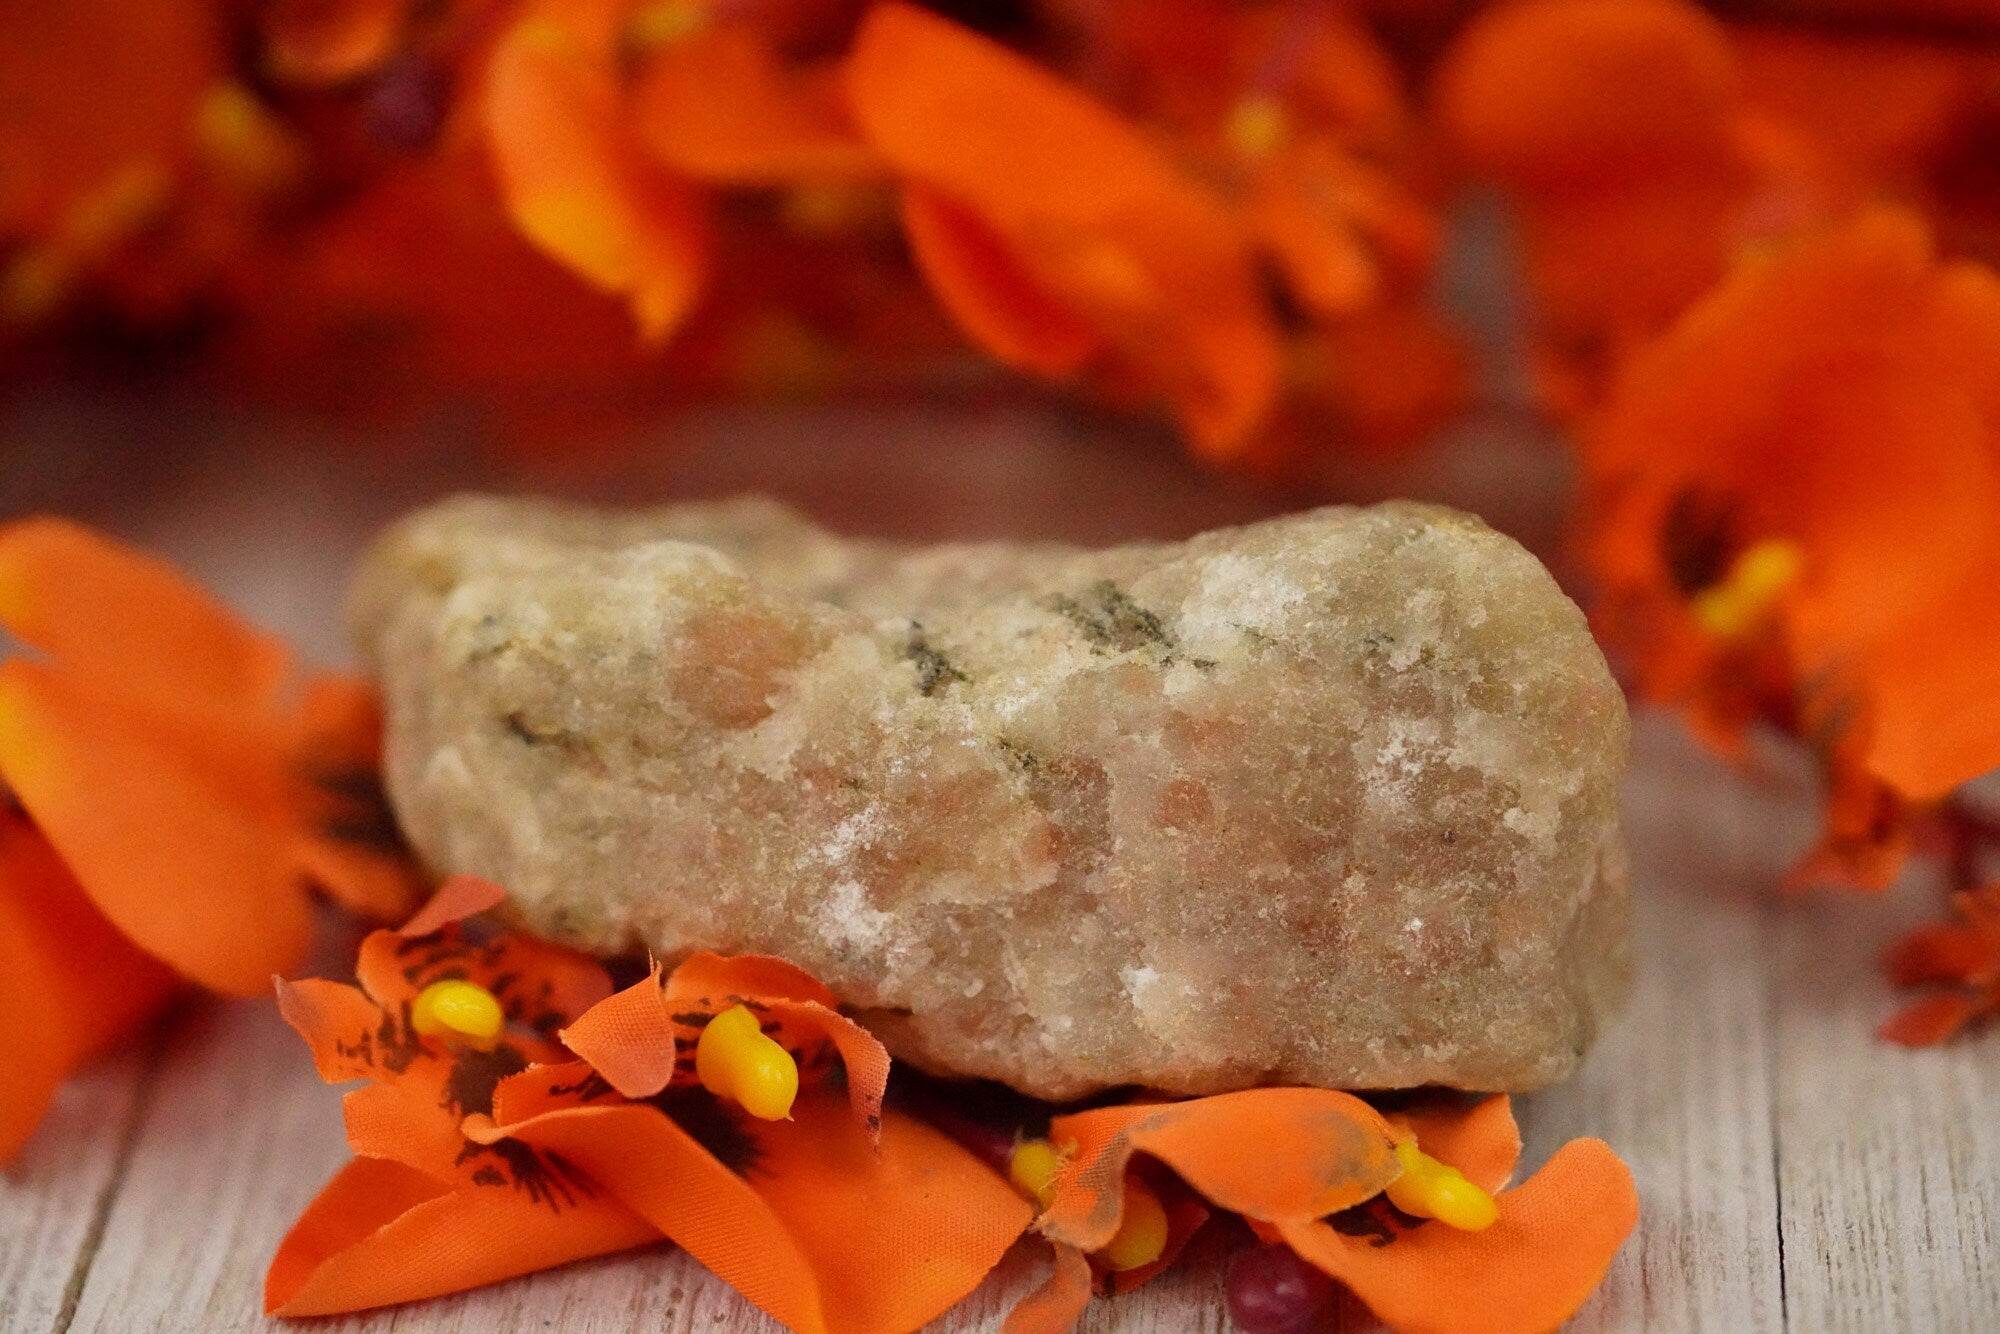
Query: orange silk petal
128,620
459,897
175,860
381,1233
710,983
1930,1021
1056,1306
720,106
897,1235
1482,1140
1529,1272
350,1036
539,985
629,1038
663,1174
827,1233
404,1120
351,848
1282,1153
984,287
1324,260
69,981
793,1006
328,41
575,180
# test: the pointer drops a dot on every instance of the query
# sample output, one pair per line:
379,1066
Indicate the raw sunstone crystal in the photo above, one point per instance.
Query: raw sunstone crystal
1329,799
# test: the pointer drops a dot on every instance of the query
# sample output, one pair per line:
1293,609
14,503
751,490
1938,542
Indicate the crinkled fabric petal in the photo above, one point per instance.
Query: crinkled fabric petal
711,983
314,41
1526,1274
171,858
665,1175
111,613
1290,1153
1480,1140
539,985
349,1035
382,1233
70,983
721,106
629,1038
350,847
823,1232
1056,1306
983,286
576,183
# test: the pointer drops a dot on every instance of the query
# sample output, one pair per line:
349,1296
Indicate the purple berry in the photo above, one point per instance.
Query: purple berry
1272,1291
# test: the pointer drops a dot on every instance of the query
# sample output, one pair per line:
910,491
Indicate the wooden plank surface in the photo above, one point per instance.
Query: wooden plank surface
1795,1172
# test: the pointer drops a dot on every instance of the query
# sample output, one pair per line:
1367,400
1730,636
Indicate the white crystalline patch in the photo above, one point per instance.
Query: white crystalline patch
856,831
1138,981
848,923
1237,593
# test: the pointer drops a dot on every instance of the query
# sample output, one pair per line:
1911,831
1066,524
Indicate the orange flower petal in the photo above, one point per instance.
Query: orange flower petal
176,861
1481,1141
381,1233
720,105
1093,211
70,983
329,41
351,848
983,286
576,182
629,1038
350,1036
403,1120
1056,1306
710,983
127,620
459,897
1930,1020
539,985
1529,1272
826,1233
1290,1153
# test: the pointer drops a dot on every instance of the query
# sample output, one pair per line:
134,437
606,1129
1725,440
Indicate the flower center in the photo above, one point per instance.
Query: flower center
1431,1189
1734,607
736,1059
462,1011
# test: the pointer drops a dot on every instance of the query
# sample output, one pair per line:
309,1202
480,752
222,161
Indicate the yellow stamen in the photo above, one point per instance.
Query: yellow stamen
1034,1168
736,1059
1257,126
1746,595
240,136
657,25
464,1011
1142,1233
1431,1189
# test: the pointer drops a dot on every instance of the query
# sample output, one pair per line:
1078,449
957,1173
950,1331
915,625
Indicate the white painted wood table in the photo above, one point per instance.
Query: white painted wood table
1795,1172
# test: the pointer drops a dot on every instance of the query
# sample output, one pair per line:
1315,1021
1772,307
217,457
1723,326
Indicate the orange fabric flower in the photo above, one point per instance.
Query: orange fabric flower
1961,958
842,1218
1309,1167
422,1210
1056,234
1825,406
186,785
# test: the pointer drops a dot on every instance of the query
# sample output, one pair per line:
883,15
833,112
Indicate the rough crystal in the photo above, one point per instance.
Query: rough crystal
1329,799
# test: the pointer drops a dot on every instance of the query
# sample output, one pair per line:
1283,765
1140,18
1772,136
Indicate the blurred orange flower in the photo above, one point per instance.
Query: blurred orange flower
1056,233
1795,514
181,784
1962,958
